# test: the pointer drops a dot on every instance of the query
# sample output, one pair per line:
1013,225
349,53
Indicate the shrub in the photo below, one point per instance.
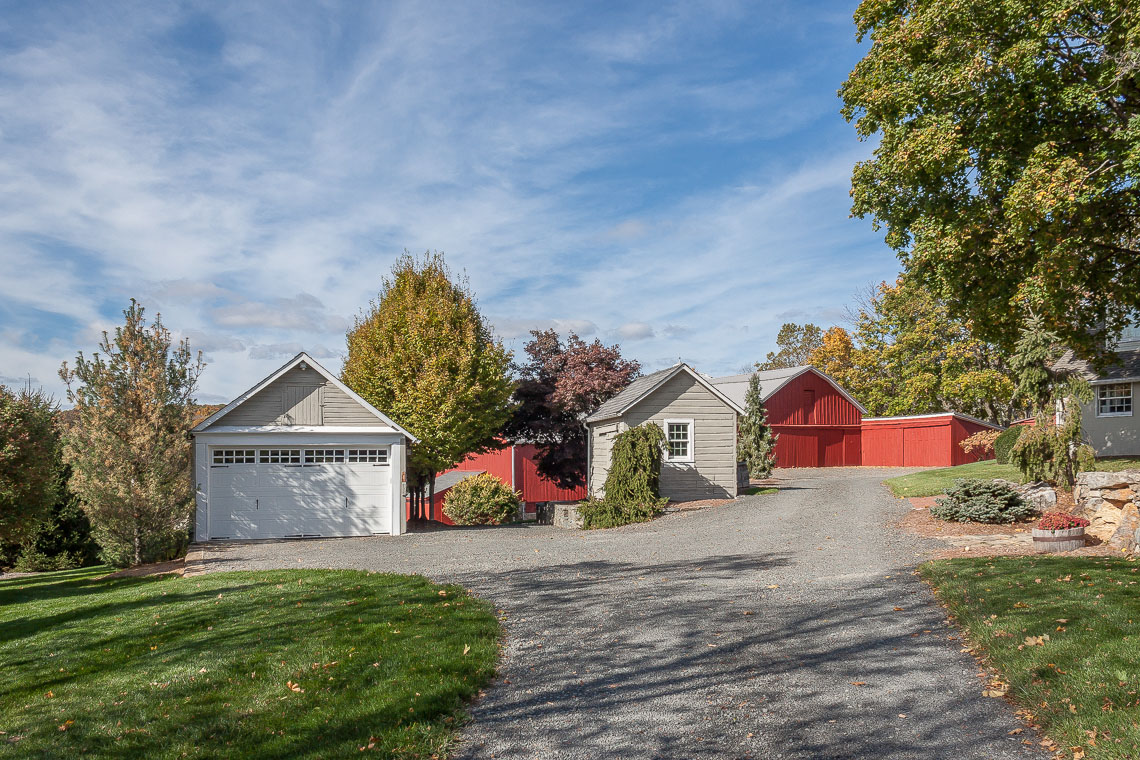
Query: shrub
981,443
481,499
1003,444
632,492
1061,521
985,501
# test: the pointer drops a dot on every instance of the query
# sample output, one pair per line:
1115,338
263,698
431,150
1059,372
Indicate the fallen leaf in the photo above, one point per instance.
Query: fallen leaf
66,723
294,687
858,683
466,648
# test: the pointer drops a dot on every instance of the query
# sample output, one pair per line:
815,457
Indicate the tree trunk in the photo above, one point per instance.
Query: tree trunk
431,496
138,542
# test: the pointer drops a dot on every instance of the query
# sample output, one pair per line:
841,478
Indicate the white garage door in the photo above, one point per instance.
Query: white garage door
302,491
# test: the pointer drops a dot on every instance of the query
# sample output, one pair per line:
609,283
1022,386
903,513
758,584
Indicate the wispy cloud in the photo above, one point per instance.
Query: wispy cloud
671,176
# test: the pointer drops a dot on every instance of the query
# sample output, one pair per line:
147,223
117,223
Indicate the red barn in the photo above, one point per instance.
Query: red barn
515,465
818,422
923,440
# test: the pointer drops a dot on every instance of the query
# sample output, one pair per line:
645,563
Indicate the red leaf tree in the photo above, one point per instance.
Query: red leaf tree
559,385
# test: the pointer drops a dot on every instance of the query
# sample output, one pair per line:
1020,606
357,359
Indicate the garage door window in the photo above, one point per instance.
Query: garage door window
375,456
279,456
324,456
234,456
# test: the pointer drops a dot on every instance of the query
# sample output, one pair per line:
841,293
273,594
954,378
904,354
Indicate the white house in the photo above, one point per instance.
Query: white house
299,455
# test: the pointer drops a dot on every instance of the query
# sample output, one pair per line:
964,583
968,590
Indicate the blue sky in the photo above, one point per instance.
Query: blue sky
671,177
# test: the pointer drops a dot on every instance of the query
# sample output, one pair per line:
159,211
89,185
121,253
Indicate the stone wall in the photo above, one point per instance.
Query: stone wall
1109,501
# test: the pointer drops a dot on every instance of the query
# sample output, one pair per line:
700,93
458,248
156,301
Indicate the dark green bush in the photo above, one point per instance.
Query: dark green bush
481,499
632,492
984,501
1004,443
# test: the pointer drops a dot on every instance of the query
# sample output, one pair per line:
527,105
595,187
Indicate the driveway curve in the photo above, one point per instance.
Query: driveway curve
779,626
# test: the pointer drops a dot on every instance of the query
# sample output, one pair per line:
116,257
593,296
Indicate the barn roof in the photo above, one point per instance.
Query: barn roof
771,381
643,386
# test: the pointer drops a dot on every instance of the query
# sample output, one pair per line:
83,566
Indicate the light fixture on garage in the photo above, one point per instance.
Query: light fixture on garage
302,366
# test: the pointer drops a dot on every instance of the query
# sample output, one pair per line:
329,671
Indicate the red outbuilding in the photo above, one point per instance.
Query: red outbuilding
923,440
515,465
818,422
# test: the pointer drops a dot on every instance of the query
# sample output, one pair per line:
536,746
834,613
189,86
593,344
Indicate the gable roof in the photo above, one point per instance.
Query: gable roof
1125,369
771,381
643,386
301,357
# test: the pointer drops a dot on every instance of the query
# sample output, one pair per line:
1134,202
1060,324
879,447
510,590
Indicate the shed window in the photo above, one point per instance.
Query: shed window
234,456
279,456
376,456
324,456
1114,400
678,440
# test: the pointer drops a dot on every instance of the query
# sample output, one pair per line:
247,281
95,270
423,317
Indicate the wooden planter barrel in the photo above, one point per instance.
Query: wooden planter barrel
1064,540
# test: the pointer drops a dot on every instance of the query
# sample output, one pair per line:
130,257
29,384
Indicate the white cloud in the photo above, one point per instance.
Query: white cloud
258,196
286,350
635,331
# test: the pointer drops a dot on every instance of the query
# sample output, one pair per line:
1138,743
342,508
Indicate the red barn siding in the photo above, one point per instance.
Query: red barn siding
522,476
921,441
818,426
811,400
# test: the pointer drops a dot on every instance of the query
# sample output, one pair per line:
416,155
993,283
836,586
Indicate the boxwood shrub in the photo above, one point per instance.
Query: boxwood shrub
1004,443
984,501
481,499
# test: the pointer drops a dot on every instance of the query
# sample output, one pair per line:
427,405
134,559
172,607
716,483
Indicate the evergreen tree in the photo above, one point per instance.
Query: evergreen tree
757,442
130,448
29,461
1035,351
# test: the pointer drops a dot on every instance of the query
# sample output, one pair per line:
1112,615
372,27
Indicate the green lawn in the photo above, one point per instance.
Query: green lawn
260,664
1082,683
935,482
759,491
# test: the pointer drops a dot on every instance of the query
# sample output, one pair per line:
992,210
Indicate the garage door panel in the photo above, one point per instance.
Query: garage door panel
276,500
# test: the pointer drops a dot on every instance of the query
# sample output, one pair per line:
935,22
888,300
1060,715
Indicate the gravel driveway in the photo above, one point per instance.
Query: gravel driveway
778,626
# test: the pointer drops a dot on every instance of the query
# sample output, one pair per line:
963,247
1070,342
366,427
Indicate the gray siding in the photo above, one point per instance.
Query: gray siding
601,444
712,474
300,397
1112,436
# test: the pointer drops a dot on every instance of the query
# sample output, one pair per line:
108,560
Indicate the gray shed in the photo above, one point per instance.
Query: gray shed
700,427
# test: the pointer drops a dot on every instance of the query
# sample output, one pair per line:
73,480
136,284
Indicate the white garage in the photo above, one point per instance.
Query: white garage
299,455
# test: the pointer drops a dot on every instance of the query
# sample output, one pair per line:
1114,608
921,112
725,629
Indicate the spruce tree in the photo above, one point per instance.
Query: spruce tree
757,443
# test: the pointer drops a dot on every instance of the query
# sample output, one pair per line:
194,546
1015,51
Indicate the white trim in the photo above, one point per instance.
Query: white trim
205,424
1114,380
692,426
937,414
664,379
299,429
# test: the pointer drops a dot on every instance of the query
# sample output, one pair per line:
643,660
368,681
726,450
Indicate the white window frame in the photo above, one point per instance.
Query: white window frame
1100,399
690,457
377,455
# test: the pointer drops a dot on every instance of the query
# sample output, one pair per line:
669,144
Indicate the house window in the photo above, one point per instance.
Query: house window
1114,400
678,440
324,456
376,456
234,456
279,456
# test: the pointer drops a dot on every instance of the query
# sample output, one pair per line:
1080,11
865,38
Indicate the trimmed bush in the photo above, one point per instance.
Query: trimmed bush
1004,443
481,499
984,501
632,484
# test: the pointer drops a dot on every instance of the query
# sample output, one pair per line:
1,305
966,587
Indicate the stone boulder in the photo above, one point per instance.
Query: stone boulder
1041,496
1108,501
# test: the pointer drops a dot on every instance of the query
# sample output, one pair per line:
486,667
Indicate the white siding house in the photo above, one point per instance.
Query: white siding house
700,427
299,455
